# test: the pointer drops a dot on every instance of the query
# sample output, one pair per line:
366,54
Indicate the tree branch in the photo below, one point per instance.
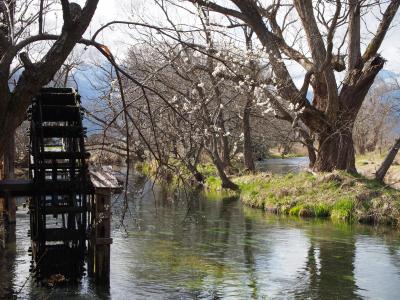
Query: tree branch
354,51
66,14
383,28
220,9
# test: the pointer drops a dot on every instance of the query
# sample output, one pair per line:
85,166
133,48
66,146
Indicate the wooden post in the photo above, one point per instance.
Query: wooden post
2,211
100,241
2,230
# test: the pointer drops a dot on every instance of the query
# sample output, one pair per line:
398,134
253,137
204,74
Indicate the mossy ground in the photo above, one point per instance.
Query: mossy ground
338,195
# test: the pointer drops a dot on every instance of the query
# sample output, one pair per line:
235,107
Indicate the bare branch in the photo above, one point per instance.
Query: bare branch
383,28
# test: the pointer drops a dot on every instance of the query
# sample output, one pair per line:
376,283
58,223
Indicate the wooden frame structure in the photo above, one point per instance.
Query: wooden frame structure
69,206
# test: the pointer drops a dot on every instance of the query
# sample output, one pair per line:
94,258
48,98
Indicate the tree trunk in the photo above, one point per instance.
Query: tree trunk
247,144
226,160
311,152
361,149
225,149
196,174
336,151
336,146
380,174
35,75
226,182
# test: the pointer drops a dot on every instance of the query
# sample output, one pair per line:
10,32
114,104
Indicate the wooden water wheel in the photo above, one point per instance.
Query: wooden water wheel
59,173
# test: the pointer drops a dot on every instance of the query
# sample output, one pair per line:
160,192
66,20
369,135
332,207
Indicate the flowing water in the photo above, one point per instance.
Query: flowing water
193,246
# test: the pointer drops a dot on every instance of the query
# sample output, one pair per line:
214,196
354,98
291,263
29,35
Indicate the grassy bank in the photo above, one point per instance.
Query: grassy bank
338,196
369,163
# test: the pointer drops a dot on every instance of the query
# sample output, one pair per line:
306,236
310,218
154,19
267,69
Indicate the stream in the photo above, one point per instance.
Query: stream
191,245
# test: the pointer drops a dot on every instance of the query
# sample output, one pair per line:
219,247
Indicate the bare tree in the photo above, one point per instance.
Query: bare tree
377,117
331,114
18,18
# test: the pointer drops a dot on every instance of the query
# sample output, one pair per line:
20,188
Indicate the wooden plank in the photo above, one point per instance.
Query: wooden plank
21,188
57,98
58,166
62,234
55,210
56,90
16,187
61,131
59,113
64,155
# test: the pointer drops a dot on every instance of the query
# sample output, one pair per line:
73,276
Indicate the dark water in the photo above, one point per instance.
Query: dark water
283,166
186,246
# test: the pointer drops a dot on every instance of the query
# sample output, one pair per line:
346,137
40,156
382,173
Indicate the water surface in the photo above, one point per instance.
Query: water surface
283,166
187,246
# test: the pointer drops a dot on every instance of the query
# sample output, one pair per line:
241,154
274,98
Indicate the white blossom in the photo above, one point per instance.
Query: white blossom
241,136
220,68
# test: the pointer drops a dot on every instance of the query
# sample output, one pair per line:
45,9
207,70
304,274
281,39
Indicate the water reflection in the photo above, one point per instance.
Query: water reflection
331,263
7,264
186,245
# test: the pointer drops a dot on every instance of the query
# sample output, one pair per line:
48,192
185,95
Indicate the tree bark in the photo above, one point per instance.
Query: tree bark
336,146
336,151
380,174
224,142
196,174
226,182
310,149
247,143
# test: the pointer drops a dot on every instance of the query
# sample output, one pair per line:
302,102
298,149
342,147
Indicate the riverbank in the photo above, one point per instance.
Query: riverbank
337,195
369,163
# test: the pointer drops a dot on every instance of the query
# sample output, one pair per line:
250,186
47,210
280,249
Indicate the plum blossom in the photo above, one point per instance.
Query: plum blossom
220,68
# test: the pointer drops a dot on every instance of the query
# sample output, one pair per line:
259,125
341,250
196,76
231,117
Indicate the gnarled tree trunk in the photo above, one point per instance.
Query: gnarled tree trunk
336,145
335,151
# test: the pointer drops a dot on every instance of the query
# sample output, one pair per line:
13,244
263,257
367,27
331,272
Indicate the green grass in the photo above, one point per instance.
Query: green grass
339,196
343,209
207,170
213,183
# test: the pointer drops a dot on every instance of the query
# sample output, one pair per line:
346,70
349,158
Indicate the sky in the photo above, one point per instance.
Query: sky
109,10
119,38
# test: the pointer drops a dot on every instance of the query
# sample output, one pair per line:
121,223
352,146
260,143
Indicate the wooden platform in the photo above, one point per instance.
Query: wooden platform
16,188
26,188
